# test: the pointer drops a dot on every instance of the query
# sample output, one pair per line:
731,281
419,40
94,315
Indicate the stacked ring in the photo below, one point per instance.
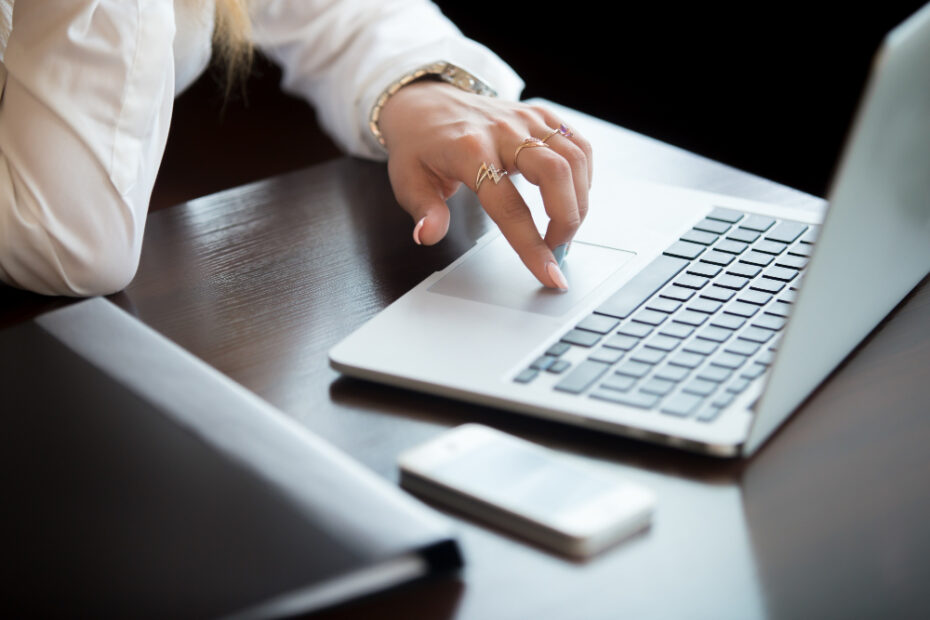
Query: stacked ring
489,171
563,130
527,143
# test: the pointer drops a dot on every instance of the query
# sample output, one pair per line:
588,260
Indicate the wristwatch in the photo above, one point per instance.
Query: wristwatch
443,71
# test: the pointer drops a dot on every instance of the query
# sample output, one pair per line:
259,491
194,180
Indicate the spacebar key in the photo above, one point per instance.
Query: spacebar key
642,286
584,374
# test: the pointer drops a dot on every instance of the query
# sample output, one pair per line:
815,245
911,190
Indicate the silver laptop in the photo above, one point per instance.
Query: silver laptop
695,320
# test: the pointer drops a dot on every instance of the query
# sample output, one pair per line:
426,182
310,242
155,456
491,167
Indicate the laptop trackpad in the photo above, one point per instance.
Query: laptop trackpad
494,274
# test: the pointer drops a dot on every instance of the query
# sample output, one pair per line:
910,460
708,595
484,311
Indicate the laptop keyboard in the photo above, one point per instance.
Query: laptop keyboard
694,328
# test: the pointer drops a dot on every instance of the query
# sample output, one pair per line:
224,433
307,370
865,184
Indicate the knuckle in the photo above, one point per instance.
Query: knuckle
557,169
469,144
512,210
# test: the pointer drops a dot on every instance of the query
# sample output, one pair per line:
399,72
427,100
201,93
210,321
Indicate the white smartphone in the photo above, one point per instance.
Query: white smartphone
527,489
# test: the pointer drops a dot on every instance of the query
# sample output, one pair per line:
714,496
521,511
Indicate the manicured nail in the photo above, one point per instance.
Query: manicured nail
416,231
560,252
558,278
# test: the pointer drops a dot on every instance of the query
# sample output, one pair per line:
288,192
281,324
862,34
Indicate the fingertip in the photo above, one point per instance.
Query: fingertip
431,228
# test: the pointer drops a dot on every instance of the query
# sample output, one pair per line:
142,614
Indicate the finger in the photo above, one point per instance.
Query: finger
506,208
555,177
423,196
578,161
574,138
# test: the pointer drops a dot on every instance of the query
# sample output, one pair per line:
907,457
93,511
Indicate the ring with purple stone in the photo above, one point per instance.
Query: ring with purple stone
563,130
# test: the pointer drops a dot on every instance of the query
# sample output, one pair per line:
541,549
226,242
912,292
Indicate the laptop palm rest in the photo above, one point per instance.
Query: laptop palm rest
494,274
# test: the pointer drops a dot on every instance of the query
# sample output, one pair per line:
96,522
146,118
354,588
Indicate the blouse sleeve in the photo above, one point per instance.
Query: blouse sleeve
84,118
341,54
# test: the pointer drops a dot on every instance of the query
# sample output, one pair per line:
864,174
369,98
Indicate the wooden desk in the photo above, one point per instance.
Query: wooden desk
828,520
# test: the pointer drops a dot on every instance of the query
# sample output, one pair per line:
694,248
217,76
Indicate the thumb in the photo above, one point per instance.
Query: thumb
420,196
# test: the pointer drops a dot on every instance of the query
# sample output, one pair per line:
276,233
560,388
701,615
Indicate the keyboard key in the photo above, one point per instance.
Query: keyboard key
756,334
728,321
801,249
684,249
688,360
766,358
717,374
723,399
717,258
543,362
700,387
786,232
558,349
754,371
701,347
621,383
662,343
742,347
606,355
641,287
732,282
712,226
757,258
811,237
707,306
661,304
725,215
767,286
743,235
769,321
634,369
657,386
689,317
633,399
559,367
707,413
624,343
789,297
731,247
649,317
682,405
677,293
699,236
581,338
717,293
791,262
769,247
780,273
741,309
739,385
756,298
744,270
714,334
758,223
672,373
526,376
637,330
648,356
582,376
728,360
703,269
598,323
691,281
676,330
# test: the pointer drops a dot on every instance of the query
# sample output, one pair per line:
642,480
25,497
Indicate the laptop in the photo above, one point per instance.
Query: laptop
695,320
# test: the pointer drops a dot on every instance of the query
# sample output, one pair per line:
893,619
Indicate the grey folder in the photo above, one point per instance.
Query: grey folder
138,481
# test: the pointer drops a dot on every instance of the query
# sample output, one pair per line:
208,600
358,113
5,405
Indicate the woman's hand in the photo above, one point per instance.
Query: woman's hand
438,137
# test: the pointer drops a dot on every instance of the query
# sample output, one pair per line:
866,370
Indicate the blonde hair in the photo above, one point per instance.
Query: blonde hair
232,41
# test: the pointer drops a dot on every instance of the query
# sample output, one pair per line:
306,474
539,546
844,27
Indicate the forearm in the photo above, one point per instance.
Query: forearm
83,123
342,55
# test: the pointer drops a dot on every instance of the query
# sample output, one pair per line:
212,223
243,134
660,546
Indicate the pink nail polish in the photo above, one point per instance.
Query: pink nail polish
416,231
557,276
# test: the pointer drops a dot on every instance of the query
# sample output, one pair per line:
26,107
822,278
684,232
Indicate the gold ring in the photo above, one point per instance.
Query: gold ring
528,143
489,171
563,130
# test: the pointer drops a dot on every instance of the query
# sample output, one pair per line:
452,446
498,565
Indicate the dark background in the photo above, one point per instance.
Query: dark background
767,87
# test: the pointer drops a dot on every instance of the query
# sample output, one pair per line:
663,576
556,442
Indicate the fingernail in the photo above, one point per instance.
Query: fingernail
416,231
560,252
558,278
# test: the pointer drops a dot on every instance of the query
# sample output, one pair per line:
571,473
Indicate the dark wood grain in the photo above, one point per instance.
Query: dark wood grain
261,280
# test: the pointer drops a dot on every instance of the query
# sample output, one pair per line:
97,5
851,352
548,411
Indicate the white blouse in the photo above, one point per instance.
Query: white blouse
87,94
